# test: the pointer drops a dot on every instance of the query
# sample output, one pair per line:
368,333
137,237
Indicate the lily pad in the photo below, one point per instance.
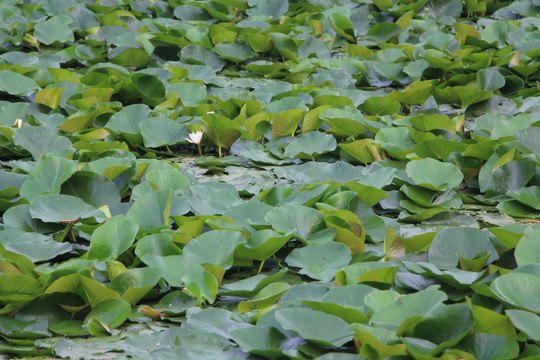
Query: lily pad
215,247
54,29
434,175
301,220
518,289
107,315
42,140
158,132
316,326
526,249
17,84
309,145
451,244
63,208
320,261
112,238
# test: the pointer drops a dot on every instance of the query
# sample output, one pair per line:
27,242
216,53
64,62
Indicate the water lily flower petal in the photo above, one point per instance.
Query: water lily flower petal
195,138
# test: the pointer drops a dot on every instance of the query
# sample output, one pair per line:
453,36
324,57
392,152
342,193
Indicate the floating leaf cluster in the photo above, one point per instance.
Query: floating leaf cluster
369,189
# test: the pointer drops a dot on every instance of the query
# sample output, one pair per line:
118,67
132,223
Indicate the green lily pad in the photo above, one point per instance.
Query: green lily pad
175,303
167,179
222,131
17,84
526,251
316,326
41,140
434,175
452,243
445,326
215,247
528,139
262,245
320,260
301,220
112,238
286,122
50,97
17,329
174,267
158,131
134,284
489,346
526,322
18,288
431,122
309,145
285,46
518,289
54,29
260,340
344,122
63,208
381,106
490,79
362,150
234,52
94,189
491,322
127,120
34,246
265,298
191,94
211,198
391,310
342,25
106,315
415,93
150,87
511,176
151,210
157,244
384,31
438,148
251,286
69,328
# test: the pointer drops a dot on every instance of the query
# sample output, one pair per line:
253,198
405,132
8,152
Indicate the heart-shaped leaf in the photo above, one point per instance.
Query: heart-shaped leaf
434,175
112,238
320,261
310,145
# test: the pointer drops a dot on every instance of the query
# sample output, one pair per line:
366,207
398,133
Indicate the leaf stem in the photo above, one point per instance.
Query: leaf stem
280,265
260,267
66,232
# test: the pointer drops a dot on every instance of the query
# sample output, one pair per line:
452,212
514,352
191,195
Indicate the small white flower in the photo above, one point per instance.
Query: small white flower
195,138
18,123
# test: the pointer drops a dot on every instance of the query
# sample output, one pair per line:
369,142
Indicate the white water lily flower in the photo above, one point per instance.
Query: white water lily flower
18,123
195,138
